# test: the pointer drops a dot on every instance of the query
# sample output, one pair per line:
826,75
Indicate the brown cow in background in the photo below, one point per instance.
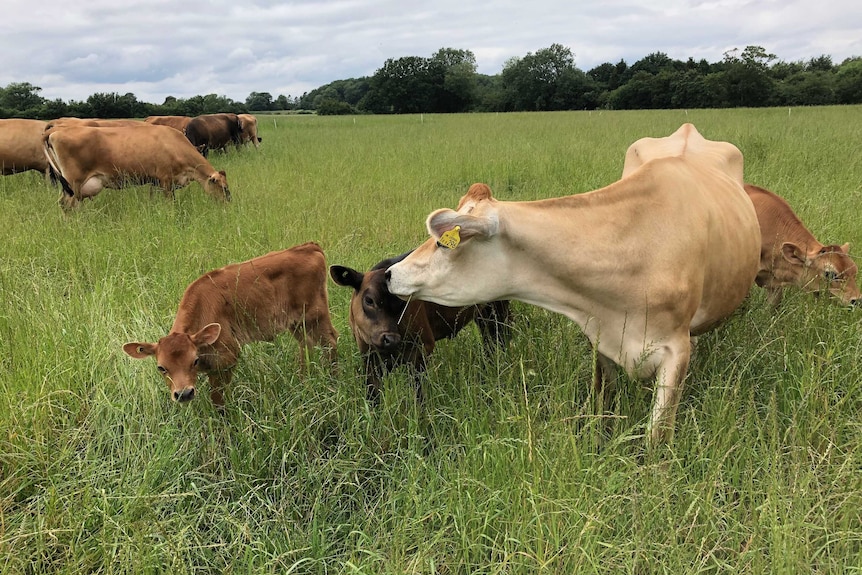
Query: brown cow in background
248,129
176,122
213,132
21,146
791,256
87,159
238,304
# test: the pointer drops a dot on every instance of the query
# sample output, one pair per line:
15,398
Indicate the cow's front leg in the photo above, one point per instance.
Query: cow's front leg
670,377
219,380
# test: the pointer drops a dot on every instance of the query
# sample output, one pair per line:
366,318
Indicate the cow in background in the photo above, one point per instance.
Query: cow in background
791,256
248,129
86,159
256,300
21,146
390,332
213,132
176,122
666,253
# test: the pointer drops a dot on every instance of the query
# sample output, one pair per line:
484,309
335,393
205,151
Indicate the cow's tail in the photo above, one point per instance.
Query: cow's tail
54,170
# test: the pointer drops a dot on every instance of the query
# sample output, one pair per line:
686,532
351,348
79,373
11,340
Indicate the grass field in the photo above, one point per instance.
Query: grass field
503,469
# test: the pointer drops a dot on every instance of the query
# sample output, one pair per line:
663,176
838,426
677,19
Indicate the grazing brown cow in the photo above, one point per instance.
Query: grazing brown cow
791,256
241,303
87,159
642,265
21,146
248,129
91,122
213,132
389,335
175,122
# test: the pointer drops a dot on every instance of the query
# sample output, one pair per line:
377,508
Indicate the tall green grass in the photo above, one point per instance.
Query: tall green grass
504,469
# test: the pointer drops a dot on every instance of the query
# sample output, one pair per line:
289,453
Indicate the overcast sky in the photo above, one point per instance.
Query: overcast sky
158,48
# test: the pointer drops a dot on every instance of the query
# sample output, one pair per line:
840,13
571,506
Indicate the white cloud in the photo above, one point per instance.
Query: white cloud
157,48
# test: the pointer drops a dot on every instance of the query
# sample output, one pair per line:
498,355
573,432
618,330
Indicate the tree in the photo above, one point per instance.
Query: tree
21,98
747,78
848,81
458,90
546,80
404,86
259,101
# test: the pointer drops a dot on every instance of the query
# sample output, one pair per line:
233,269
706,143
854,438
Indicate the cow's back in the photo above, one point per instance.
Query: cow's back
261,297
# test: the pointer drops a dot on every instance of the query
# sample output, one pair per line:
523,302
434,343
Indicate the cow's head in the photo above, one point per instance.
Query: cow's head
829,269
216,185
177,358
376,315
463,262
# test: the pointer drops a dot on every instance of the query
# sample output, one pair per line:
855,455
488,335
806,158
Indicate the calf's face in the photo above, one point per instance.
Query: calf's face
829,270
374,311
177,358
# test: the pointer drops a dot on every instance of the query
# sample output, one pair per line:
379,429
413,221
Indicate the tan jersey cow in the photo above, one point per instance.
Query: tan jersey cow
248,129
176,122
390,332
87,159
791,256
241,303
21,146
641,265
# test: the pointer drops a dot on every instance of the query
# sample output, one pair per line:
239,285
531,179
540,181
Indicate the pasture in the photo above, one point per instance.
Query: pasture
504,469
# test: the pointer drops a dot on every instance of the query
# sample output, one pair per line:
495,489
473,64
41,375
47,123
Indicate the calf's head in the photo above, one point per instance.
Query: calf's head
177,358
374,311
829,269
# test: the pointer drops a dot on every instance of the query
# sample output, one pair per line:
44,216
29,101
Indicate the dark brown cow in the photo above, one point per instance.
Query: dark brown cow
791,256
248,129
175,122
214,132
241,303
389,335
87,159
21,146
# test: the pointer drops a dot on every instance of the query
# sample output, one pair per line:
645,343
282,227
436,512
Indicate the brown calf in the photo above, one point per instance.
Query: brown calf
390,332
241,303
791,256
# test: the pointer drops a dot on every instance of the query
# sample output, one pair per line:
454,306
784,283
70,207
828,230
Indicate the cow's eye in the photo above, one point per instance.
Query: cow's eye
369,301
161,369
196,361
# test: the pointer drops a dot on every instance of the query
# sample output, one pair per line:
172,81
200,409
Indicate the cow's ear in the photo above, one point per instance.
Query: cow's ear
846,248
793,253
346,277
442,221
140,350
207,335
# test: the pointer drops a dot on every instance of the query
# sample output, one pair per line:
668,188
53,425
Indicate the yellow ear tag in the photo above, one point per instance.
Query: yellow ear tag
450,239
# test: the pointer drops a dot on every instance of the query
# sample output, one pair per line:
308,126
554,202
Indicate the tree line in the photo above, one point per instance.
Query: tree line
546,80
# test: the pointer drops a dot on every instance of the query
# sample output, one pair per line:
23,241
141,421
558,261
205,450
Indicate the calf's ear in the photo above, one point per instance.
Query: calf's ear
207,334
442,221
346,277
793,253
140,350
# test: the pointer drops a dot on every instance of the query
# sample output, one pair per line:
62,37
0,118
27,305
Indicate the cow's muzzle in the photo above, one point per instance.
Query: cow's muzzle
185,395
388,341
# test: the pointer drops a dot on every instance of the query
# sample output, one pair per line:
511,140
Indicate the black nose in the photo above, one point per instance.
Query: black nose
390,340
185,395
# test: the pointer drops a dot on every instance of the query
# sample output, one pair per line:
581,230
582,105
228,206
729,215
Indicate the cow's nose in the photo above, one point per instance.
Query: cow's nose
390,340
185,395
855,301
